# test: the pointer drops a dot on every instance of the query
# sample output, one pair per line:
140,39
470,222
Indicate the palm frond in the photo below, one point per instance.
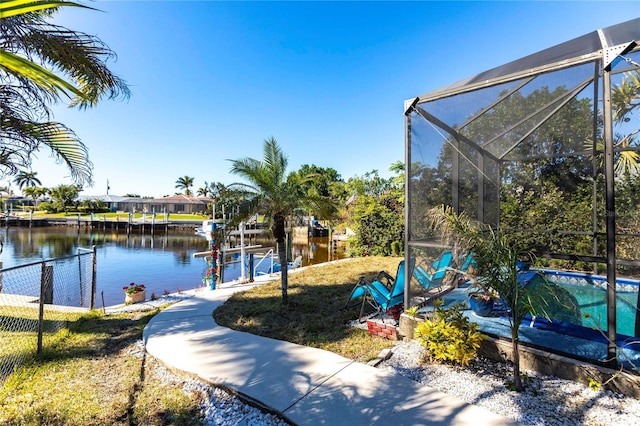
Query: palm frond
20,7
68,148
41,76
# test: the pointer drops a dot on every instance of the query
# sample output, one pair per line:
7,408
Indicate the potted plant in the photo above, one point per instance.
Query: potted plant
210,278
481,302
134,293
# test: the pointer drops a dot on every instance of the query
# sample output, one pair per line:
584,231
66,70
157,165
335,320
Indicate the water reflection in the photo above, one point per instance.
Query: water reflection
164,262
25,245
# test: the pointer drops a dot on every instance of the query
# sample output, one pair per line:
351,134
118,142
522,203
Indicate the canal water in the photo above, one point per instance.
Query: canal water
163,262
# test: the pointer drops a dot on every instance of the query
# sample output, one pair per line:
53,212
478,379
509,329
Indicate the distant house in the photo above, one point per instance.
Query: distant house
179,204
113,202
182,204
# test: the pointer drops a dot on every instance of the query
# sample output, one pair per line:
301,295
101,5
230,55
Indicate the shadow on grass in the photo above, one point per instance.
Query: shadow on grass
314,316
95,334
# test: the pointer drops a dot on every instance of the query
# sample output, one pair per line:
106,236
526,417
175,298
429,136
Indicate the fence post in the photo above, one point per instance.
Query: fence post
43,273
94,268
637,328
251,277
80,276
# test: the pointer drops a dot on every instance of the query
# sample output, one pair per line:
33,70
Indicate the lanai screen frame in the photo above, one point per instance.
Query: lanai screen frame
610,52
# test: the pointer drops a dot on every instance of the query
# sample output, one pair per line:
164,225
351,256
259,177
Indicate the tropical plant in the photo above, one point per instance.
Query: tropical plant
377,214
35,192
63,196
625,99
448,335
269,191
203,191
378,223
94,205
497,257
185,182
25,178
33,55
316,180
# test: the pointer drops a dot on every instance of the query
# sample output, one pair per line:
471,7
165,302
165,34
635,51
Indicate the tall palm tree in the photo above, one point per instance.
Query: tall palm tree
33,55
25,178
271,192
185,182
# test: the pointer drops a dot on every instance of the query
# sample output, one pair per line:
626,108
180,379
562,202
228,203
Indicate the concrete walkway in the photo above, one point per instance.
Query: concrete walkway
308,386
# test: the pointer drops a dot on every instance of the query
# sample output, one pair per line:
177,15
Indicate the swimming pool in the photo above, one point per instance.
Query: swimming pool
591,295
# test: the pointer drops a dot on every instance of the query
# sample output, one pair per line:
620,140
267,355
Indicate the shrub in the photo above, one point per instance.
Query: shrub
48,207
449,336
396,248
412,311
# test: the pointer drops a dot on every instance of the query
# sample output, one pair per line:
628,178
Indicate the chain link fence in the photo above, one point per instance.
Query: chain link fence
38,299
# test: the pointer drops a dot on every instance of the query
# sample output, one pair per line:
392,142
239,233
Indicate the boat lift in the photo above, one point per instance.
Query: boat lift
267,252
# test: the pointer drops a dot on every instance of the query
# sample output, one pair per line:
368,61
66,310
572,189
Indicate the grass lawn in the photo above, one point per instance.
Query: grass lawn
314,316
95,373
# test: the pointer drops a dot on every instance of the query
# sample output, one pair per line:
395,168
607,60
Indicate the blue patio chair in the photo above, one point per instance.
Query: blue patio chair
383,293
467,262
434,274
297,262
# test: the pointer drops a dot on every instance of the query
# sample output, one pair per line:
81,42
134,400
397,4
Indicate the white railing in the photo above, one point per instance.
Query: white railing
269,253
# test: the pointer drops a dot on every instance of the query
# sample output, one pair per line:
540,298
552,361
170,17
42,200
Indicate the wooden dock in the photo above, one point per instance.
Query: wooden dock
97,222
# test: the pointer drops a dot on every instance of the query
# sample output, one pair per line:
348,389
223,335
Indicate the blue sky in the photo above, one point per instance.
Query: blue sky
211,80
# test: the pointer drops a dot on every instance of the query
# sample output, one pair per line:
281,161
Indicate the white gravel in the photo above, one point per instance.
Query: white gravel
219,407
546,400
149,304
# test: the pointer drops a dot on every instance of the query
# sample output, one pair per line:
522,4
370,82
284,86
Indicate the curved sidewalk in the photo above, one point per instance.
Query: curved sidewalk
309,386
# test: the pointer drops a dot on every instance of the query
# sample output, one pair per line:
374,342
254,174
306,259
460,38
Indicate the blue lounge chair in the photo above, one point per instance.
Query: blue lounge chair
466,263
432,276
383,293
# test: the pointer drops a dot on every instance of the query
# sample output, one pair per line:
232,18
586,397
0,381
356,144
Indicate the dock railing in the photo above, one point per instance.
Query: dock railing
37,300
268,255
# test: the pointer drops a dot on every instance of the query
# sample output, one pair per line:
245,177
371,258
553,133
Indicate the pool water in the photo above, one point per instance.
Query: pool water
592,301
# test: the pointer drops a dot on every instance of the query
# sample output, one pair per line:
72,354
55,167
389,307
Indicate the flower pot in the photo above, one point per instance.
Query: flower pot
135,297
481,305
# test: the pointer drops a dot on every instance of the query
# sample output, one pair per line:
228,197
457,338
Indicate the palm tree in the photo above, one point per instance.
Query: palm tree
271,192
496,255
203,191
185,182
32,54
27,179
35,192
63,196
625,98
